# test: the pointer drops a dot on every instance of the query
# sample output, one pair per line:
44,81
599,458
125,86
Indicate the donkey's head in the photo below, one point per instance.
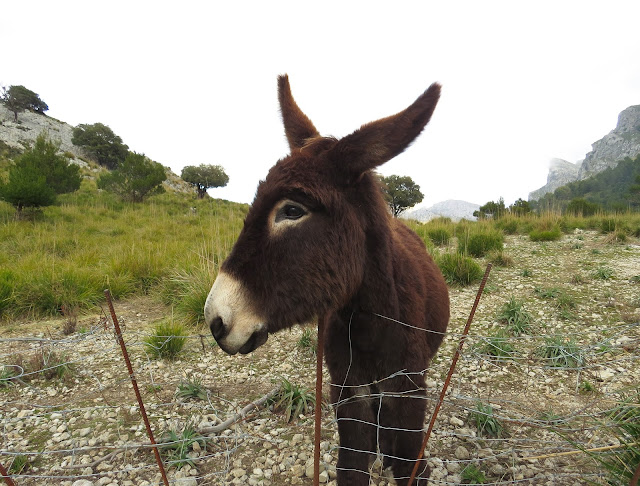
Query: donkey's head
304,245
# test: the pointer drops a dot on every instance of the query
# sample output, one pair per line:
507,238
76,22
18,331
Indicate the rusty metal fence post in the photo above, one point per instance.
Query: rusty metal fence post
143,412
448,379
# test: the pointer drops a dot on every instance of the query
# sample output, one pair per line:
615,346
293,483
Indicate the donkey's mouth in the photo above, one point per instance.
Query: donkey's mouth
256,340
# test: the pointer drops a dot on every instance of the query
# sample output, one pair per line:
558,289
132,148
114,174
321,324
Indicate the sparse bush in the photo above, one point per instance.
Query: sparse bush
517,318
308,341
545,234
479,244
500,258
485,421
167,340
440,236
458,269
561,353
624,425
497,347
191,388
49,363
292,400
176,446
19,463
472,475
603,273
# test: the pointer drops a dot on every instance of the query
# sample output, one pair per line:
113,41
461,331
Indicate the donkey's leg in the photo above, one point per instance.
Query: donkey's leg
401,447
357,439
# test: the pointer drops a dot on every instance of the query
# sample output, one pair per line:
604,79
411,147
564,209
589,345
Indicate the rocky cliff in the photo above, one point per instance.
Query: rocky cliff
561,172
623,141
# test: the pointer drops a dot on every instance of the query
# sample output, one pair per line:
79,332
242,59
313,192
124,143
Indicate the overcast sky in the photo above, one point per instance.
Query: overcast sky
188,83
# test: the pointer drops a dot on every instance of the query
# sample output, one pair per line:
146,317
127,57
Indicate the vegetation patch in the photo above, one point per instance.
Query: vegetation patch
167,340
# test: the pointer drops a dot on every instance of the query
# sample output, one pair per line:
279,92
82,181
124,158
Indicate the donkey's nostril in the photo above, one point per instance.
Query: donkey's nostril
217,328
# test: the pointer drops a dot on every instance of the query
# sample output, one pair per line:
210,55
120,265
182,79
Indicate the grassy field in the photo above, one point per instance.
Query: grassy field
63,259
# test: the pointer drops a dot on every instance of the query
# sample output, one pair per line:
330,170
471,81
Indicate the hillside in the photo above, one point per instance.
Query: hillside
621,142
609,188
16,136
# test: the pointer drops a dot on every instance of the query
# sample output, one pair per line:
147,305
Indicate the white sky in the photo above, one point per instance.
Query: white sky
195,82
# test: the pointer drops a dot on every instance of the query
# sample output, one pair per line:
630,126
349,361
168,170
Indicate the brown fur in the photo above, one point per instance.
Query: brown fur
351,261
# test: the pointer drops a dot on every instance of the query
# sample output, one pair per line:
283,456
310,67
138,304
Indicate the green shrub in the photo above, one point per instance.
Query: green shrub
439,236
515,316
472,475
191,388
458,269
497,347
187,291
292,400
167,340
500,259
561,353
176,446
308,341
478,244
485,421
508,225
623,424
608,225
552,234
603,273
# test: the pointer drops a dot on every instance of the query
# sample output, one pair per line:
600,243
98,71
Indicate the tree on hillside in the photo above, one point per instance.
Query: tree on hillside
634,192
136,178
38,175
580,206
520,207
204,176
491,209
19,98
100,142
400,193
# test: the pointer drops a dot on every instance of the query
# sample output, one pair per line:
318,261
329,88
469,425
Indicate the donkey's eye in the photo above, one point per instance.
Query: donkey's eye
291,211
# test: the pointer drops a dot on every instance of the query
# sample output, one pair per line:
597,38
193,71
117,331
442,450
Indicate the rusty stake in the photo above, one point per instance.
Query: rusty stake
322,321
451,370
5,476
143,412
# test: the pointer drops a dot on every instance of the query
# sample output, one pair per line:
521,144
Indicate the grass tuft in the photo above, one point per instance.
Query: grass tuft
167,340
458,269
292,400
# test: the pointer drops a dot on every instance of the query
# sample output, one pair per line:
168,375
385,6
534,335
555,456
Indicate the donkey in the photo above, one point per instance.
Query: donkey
319,240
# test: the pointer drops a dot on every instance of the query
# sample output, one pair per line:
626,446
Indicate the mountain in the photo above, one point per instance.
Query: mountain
23,133
561,172
454,209
623,141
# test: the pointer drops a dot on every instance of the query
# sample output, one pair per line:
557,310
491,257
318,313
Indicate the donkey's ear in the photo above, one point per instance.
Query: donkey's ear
377,142
297,126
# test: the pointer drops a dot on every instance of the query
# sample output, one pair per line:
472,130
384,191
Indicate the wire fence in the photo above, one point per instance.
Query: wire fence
525,409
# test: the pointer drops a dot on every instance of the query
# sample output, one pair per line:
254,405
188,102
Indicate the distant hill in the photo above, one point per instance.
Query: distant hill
454,209
621,142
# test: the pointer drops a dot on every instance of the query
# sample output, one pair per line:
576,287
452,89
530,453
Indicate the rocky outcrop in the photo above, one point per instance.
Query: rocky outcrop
454,209
621,142
561,172
23,133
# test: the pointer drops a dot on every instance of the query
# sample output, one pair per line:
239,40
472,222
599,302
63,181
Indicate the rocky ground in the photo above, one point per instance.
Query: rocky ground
83,428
